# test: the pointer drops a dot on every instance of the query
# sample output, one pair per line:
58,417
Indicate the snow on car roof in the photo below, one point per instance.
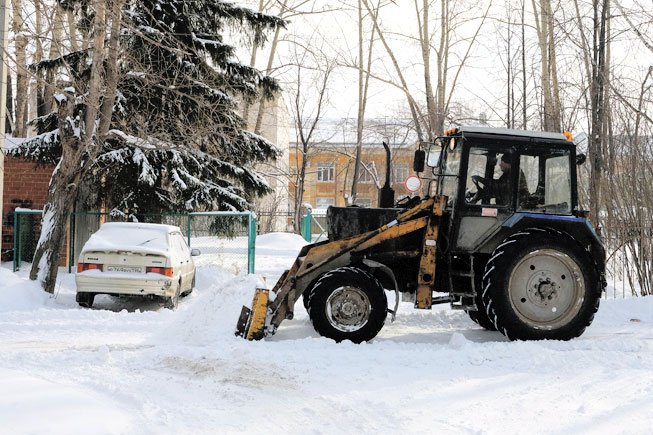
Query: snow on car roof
135,236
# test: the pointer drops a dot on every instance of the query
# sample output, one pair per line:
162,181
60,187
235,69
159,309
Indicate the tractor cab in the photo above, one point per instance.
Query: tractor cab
489,175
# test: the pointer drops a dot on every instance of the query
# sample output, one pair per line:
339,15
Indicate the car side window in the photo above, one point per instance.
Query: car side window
181,247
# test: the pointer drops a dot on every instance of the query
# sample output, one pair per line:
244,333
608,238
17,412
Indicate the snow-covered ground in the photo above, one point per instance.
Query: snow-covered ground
137,368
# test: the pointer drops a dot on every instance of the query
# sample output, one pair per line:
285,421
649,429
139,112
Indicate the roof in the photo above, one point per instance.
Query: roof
128,236
511,132
141,225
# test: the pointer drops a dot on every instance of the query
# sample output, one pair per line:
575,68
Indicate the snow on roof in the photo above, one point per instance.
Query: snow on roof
511,132
125,236
13,142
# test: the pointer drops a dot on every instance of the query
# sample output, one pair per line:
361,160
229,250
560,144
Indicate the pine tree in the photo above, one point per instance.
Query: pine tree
176,141
147,118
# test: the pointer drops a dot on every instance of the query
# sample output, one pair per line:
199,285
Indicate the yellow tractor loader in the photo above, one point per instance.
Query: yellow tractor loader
502,237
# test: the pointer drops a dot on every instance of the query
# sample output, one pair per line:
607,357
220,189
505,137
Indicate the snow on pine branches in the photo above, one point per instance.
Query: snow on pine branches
176,141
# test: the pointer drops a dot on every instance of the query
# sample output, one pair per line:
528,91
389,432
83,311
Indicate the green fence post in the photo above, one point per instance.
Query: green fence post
306,227
190,218
16,229
71,242
251,243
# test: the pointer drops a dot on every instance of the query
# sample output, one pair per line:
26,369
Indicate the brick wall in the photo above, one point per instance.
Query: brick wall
24,186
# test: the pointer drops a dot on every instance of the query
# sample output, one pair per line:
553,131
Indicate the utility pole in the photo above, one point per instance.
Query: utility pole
4,17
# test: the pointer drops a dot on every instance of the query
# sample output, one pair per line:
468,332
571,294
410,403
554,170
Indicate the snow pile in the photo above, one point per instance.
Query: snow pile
56,406
279,243
20,294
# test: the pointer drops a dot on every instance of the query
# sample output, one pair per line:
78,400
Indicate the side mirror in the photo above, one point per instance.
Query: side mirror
580,159
195,252
418,161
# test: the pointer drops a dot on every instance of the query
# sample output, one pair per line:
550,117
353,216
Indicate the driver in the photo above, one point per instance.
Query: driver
502,184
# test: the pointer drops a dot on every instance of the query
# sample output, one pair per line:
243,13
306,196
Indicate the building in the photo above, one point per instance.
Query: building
330,165
330,171
26,187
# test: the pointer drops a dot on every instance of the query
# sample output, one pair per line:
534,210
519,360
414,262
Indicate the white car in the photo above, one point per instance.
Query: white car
135,259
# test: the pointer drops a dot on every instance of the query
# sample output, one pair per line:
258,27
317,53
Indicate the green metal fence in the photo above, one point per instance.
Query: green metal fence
27,228
314,227
226,239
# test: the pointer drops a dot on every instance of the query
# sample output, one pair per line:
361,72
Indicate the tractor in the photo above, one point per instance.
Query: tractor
499,234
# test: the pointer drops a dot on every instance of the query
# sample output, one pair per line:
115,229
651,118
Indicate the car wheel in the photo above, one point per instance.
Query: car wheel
190,290
85,299
172,302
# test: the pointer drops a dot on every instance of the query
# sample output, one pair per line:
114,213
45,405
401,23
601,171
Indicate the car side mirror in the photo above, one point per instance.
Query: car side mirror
580,159
418,161
195,252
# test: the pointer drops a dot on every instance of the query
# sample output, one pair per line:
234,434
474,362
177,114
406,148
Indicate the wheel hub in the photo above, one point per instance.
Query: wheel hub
542,289
546,288
348,309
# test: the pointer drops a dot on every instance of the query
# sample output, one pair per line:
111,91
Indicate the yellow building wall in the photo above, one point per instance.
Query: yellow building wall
340,188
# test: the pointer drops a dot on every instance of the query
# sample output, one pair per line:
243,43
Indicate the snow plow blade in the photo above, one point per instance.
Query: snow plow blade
251,323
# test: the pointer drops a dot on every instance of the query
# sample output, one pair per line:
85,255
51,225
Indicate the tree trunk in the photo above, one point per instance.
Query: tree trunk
598,93
299,189
273,50
54,52
360,119
63,188
77,152
20,125
106,111
425,46
9,126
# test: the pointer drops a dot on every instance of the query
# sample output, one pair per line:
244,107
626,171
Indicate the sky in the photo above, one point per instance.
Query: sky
480,86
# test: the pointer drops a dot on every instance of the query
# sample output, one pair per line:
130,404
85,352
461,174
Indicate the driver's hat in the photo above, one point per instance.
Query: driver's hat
506,157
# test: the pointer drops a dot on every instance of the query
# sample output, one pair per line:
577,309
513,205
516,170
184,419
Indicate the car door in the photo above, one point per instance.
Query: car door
184,259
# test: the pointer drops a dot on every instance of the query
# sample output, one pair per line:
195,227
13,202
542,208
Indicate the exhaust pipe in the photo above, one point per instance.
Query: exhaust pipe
386,193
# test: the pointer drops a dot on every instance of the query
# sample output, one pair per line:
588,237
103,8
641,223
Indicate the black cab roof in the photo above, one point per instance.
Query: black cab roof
508,133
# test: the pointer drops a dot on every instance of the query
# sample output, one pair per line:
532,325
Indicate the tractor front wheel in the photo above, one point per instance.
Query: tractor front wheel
348,303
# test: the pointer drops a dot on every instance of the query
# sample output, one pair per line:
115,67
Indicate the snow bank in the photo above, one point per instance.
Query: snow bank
279,242
32,405
20,294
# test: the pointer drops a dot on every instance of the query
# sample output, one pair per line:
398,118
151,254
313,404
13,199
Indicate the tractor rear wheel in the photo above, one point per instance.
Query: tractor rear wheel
541,284
480,316
348,303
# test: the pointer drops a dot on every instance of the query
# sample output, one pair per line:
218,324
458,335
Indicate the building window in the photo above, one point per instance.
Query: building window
324,202
326,171
399,173
365,172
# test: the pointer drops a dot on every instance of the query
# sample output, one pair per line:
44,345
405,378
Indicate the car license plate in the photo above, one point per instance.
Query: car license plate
136,269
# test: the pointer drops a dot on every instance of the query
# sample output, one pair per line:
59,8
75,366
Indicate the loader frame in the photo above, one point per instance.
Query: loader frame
314,260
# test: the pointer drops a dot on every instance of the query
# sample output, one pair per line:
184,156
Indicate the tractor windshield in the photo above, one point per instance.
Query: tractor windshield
451,169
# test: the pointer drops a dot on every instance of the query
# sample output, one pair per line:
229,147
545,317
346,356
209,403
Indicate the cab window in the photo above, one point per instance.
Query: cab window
488,177
451,170
548,182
